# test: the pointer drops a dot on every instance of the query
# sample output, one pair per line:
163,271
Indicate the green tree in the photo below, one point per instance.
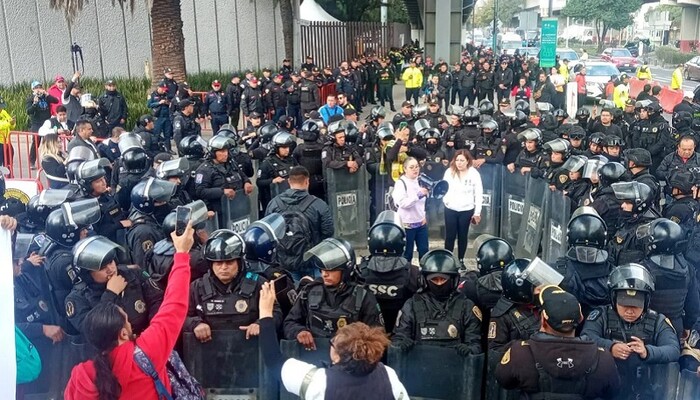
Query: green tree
168,41
606,14
507,12
674,13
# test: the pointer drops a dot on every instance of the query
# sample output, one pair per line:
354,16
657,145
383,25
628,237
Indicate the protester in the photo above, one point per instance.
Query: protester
410,198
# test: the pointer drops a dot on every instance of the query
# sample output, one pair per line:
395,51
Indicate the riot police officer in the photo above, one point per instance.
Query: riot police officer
531,154
552,168
91,179
488,147
185,122
514,316
218,177
129,169
227,296
275,168
385,272
675,294
651,132
259,143
604,201
376,117
145,232
160,259
636,335
336,154
329,303
582,116
576,187
436,161
684,208
613,148
175,171
64,228
193,149
440,315
308,155
103,279
585,266
483,286
639,162
309,95
681,124
636,199
151,141
252,98
379,171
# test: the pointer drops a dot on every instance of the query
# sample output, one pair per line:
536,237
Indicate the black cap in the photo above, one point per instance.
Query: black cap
185,86
185,103
167,70
631,298
160,157
560,309
350,111
109,82
406,104
254,114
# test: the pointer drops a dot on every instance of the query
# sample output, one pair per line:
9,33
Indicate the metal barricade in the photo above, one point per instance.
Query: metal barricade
229,366
528,245
555,221
513,200
423,371
348,198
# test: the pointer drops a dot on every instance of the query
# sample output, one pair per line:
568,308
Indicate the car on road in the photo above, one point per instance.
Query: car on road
621,57
691,69
598,74
565,53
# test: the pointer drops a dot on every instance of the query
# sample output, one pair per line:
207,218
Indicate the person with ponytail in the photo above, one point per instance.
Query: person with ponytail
114,374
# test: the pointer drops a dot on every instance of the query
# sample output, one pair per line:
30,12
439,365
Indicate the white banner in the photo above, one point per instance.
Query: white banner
8,364
571,99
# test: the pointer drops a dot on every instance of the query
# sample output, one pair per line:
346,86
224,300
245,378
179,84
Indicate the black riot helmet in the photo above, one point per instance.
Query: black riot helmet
597,138
95,252
332,254
90,171
530,134
262,236
377,112
637,193
559,113
587,228
486,107
522,105
385,132
631,284
492,253
227,130
135,161
582,114
310,131
654,108
352,133
557,146
387,236
519,119
224,245
283,139
420,125
146,194
575,164
193,147
664,237
439,261
64,225
129,142
614,140
489,124
267,131
515,287
335,128
611,172
40,206
217,143
471,115
431,133
176,168
169,224
77,156
549,122
681,179
682,120
575,132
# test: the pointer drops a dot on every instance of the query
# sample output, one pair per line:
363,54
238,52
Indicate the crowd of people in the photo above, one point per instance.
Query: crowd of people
103,255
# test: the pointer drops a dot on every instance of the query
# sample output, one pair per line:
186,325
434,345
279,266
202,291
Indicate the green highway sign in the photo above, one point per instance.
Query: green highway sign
548,43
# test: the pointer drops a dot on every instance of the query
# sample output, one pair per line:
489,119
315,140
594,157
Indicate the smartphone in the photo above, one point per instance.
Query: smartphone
403,125
279,284
182,217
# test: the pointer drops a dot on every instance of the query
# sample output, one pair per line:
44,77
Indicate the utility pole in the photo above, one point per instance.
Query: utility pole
495,27
384,13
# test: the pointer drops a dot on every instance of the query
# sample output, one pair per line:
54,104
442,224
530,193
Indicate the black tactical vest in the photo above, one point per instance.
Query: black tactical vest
323,320
237,307
443,326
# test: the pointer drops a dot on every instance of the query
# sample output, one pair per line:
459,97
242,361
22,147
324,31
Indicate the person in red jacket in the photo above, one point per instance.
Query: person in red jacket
56,90
581,90
113,374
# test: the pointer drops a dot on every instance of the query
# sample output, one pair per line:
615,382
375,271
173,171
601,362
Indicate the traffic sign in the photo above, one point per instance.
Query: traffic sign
548,43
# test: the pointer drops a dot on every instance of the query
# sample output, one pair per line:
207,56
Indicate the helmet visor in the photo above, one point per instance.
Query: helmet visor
330,254
95,252
173,168
82,213
128,142
53,197
274,225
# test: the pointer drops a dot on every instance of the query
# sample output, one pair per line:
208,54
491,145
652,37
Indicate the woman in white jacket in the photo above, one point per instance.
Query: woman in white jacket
462,201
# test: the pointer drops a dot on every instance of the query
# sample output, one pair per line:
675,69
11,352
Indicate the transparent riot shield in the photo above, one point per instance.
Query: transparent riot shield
514,188
277,188
253,196
423,372
556,217
528,244
319,357
57,362
236,212
229,366
688,386
492,389
348,196
380,196
435,214
491,180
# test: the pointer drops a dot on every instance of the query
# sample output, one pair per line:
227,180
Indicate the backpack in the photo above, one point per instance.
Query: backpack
28,360
183,385
297,238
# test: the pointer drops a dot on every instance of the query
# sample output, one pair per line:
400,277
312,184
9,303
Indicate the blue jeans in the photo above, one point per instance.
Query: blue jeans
419,236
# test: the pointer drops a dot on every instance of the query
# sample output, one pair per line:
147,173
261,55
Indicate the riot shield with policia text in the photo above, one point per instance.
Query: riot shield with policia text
513,200
528,244
555,220
491,180
348,198
236,212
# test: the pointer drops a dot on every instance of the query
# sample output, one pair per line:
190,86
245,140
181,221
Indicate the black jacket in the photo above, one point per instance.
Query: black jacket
319,214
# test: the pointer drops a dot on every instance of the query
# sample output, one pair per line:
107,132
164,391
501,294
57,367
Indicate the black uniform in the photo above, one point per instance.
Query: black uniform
110,219
510,321
34,305
485,291
226,306
650,180
337,157
233,102
252,101
140,299
216,106
160,259
143,234
587,281
210,181
605,327
322,310
185,125
454,322
308,155
490,149
384,86
393,280
530,159
309,96
272,167
653,136
625,247
548,366
123,181
608,207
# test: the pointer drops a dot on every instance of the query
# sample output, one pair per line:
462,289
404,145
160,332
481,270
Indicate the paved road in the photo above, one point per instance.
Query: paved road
663,76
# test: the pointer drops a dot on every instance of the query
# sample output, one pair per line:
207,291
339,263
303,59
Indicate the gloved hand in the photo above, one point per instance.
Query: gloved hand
464,350
403,345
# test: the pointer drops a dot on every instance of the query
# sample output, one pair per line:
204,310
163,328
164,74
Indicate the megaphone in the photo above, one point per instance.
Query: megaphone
437,189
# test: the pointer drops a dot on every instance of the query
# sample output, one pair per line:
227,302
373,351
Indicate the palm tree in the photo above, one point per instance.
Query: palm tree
287,15
168,43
